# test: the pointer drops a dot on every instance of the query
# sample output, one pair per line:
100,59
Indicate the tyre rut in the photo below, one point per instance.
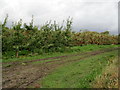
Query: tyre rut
26,78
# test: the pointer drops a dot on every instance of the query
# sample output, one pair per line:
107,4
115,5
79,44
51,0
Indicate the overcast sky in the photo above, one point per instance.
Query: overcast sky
94,15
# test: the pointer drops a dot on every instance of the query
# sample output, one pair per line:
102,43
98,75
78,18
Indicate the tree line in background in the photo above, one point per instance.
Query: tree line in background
27,39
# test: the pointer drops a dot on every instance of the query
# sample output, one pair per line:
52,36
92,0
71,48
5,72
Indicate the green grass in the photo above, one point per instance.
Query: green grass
73,50
109,76
44,61
64,58
77,74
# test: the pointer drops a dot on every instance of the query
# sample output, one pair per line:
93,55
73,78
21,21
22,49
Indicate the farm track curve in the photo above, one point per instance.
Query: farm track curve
23,76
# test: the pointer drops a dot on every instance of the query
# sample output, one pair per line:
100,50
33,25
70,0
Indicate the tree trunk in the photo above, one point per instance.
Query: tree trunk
17,54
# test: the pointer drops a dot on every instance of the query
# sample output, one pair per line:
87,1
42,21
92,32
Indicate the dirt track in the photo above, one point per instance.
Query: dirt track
23,76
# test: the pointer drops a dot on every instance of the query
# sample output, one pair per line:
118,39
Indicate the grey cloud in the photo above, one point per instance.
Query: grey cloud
96,15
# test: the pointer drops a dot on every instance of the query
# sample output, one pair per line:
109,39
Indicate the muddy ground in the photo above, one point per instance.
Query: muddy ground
25,74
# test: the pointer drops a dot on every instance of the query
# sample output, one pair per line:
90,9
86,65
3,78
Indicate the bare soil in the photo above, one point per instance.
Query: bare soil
26,74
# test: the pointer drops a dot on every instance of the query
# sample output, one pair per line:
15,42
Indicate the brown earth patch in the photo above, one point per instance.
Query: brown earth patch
20,75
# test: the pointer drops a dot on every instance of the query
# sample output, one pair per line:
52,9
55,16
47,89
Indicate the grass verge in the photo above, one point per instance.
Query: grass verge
73,50
78,74
109,76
